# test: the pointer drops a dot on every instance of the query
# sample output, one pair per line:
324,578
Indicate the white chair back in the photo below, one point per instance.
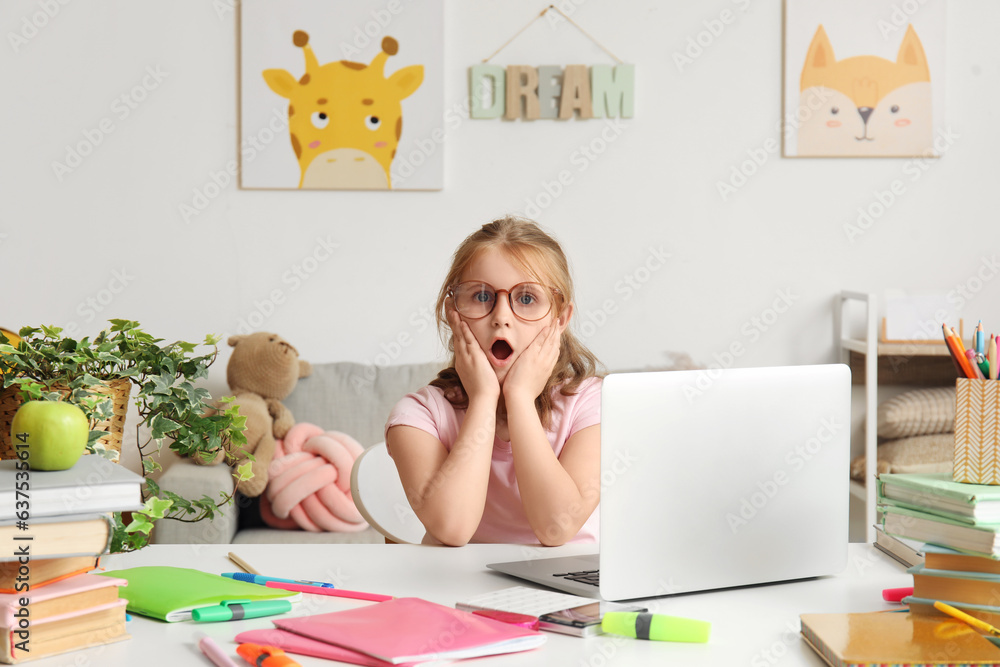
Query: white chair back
379,496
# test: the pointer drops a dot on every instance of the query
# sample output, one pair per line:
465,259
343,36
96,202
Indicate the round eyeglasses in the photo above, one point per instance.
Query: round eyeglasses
528,301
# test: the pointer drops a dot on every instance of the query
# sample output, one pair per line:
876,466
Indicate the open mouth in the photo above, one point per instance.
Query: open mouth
501,349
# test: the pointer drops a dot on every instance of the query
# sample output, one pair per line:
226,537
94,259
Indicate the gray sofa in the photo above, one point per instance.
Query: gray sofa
348,397
342,396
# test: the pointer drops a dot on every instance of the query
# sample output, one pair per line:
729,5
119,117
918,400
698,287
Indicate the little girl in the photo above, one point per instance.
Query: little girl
504,445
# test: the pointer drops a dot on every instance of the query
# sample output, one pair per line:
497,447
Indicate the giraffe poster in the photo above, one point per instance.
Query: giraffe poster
864,78
341,95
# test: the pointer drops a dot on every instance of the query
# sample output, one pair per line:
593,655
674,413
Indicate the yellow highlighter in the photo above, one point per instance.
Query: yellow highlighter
962,616
655,626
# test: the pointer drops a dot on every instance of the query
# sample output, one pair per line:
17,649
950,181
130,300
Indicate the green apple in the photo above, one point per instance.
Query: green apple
55,432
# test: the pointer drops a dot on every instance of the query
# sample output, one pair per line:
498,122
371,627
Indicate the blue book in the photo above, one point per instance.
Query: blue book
925,607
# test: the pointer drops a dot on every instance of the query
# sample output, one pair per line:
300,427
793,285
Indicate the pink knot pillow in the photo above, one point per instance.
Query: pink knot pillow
309,482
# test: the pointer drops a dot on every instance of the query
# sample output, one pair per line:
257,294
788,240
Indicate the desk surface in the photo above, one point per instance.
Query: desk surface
750,626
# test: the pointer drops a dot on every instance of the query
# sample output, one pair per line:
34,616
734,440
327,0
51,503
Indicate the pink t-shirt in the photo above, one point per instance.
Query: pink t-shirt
504,520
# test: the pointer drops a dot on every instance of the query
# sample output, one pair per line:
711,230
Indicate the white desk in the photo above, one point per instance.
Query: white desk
750,626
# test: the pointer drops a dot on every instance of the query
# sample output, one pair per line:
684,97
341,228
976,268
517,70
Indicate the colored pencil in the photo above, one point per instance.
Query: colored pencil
242,564
957,352
991,357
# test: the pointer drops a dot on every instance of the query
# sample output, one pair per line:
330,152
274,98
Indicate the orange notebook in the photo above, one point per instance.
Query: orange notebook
43,571
896,638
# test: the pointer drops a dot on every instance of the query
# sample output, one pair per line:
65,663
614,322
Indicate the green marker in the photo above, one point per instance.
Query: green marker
655,626
234,610
984,365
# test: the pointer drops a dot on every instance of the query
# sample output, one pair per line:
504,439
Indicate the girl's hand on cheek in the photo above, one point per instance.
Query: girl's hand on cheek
474,369
528,374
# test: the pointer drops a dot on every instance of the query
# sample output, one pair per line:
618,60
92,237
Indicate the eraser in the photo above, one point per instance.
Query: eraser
896,594
656,626
520,620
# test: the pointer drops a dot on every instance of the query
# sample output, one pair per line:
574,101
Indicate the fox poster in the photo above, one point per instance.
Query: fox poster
863,78
341,95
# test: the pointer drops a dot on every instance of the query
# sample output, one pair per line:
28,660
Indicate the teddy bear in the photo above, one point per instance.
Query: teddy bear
263,370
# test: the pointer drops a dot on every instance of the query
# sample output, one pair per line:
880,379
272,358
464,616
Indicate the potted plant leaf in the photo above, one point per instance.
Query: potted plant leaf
100,374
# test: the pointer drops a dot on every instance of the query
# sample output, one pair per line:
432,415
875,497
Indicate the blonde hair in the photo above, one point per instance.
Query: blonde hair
541,257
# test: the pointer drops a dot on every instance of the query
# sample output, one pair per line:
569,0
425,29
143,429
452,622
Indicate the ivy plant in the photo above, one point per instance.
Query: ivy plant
46,365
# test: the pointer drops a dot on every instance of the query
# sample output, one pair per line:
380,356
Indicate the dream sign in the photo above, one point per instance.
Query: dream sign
551,91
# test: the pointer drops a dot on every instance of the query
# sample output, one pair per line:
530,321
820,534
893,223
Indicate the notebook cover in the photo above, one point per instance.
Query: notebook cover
896,638
941,484
170,593
919,513
293,643
412,629
11,602
938,511
56,492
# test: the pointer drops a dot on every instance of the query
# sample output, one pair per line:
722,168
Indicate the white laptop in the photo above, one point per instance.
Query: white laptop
713,479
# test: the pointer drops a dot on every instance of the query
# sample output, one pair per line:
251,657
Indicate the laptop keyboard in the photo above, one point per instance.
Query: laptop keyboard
591,577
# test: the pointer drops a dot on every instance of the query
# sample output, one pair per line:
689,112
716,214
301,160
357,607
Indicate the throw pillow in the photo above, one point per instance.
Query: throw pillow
918,412
922,453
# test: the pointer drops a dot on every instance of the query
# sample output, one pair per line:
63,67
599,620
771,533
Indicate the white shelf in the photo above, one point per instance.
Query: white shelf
897,349
870,350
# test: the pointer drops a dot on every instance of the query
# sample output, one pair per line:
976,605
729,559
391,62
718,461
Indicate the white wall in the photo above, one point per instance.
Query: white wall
63,242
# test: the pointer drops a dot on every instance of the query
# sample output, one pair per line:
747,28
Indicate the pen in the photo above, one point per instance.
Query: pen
234,610
962,616
265,656
262,580
334,592
242,564
214,653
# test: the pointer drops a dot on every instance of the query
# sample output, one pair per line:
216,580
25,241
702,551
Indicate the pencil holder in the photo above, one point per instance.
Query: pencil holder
977,431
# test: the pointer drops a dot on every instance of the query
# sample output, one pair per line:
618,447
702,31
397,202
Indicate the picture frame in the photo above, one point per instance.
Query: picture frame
341,96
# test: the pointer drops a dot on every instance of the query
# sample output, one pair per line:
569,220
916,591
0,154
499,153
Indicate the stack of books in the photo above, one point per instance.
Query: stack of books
54,527
932,508
960,525
965,581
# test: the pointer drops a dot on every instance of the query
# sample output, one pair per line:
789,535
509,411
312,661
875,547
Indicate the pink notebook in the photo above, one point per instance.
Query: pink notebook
413,630
290,642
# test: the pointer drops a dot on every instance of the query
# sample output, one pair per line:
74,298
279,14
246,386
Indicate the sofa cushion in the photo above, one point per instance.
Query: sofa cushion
189,480
356,398
917,412
917,454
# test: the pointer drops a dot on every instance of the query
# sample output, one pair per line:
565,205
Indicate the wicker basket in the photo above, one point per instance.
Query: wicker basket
118,390
9,403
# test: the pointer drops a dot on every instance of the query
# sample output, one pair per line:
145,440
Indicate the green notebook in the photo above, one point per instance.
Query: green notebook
938,493
170,593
